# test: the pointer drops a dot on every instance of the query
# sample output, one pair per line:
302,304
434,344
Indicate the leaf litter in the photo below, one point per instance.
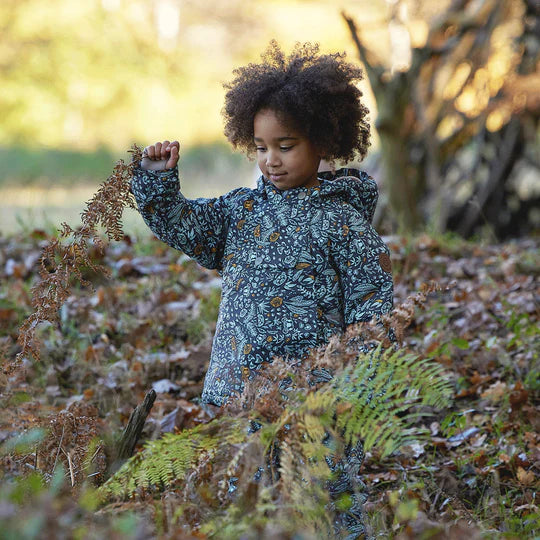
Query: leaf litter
150,324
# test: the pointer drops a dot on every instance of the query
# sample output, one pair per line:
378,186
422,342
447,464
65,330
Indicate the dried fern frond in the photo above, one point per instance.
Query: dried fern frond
403,314
65,258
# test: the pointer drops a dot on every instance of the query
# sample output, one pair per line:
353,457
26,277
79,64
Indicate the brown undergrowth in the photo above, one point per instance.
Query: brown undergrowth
66,257
477,318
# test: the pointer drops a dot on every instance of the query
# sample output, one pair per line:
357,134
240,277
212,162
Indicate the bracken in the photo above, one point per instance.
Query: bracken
64,259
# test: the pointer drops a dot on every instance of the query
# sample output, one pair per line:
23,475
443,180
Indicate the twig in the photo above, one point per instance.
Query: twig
95,453
434,503
70,465
373,70
59,447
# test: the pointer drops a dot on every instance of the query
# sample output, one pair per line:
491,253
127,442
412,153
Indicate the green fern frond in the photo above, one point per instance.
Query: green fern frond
305,499
385,391
167,460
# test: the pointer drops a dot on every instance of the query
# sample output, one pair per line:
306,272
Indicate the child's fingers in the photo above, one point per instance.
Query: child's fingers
173,159
150,151
165,149
162,155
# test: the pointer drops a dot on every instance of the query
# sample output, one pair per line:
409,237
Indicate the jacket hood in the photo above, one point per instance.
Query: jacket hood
355,186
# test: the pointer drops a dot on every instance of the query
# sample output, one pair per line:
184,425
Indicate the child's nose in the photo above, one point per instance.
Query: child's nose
272,159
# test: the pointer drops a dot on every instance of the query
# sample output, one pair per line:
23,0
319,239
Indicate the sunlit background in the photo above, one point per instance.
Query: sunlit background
108,72
82,81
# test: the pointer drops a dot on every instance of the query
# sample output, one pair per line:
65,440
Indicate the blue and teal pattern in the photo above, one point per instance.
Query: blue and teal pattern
297,265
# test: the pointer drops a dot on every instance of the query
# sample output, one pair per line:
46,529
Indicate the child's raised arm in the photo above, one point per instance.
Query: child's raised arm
197,227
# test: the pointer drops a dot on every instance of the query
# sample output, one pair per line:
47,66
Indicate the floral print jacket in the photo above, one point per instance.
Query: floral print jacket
297,265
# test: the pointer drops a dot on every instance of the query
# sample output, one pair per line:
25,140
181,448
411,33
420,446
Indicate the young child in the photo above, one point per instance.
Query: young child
299,258
298,255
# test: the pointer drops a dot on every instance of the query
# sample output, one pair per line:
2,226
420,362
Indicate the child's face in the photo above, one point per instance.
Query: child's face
285,157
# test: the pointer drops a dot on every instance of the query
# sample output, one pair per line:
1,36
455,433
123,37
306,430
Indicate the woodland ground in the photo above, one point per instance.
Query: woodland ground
150,325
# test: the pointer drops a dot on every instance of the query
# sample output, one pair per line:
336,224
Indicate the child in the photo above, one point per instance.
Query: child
298,255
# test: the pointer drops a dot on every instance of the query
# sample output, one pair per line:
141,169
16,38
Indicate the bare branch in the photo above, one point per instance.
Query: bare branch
374,70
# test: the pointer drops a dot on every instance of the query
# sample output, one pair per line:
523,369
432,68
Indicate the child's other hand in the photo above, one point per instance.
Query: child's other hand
160,156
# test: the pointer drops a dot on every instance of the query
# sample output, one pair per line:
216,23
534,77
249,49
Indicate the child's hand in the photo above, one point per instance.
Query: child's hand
160,156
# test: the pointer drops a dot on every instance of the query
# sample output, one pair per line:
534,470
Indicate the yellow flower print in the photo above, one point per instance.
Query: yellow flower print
240,224
248,205
257,231
233,343
247,348
276,301
274,236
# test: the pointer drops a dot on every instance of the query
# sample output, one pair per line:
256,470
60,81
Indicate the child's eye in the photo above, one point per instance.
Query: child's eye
261,148
285,148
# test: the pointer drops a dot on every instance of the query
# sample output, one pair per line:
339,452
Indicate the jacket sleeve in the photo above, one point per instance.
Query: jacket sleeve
197,227
364,270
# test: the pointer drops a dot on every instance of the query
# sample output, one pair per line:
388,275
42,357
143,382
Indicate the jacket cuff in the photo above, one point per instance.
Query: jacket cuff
151,184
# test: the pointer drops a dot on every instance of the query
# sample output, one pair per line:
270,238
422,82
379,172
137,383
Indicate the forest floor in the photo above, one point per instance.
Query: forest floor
150,326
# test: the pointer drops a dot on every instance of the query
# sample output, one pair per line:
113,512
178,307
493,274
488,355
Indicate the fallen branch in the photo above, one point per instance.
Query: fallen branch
133,430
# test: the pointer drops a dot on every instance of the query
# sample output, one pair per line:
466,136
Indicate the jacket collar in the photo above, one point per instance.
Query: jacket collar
355,186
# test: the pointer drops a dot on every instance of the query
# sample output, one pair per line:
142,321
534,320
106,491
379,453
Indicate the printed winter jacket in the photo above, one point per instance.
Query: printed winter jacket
297,265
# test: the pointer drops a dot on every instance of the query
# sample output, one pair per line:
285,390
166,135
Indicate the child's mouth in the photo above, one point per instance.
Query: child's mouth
276,177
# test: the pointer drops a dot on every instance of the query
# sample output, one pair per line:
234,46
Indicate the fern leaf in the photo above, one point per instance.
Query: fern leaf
167,460
382,391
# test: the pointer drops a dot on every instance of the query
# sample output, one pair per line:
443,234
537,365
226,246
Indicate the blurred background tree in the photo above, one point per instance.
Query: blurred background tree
458,114
450,86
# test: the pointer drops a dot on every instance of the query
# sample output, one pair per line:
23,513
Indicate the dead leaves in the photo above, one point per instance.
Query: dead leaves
483,325
477,315
526,478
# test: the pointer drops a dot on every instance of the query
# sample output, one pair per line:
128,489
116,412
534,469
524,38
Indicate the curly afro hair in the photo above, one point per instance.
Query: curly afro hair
311,92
